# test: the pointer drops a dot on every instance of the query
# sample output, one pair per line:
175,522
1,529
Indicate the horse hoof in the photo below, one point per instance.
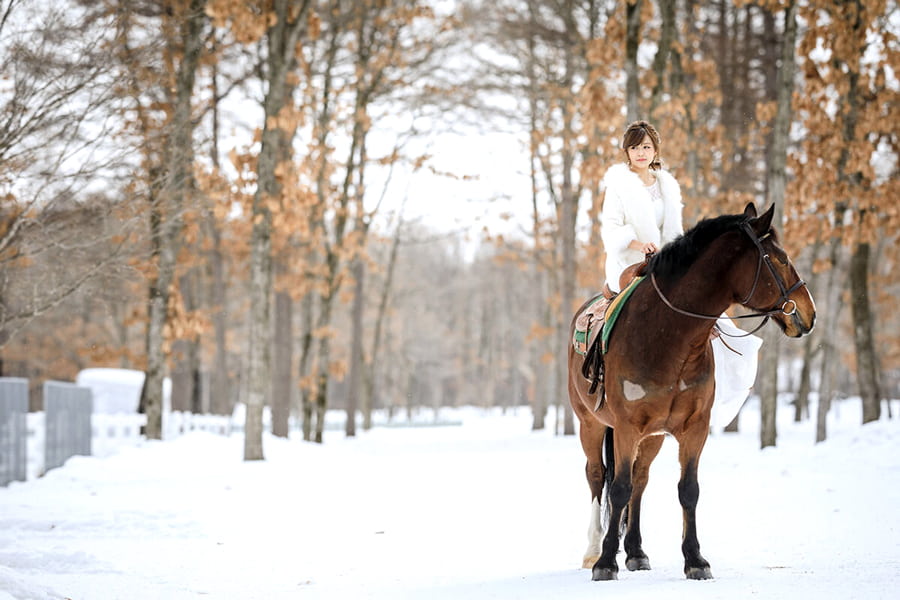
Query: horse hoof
698,573
604,574
638,563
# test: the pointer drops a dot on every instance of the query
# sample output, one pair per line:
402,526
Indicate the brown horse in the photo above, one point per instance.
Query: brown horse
659,373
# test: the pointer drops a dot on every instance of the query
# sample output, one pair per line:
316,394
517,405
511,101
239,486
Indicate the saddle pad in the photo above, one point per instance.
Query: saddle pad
615,307
586,324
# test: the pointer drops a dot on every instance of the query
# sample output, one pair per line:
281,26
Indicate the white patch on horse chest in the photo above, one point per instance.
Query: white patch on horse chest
682,385
632,391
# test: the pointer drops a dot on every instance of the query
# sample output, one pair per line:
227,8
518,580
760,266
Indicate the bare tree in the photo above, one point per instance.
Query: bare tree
167,80
281,38
53,103
776,178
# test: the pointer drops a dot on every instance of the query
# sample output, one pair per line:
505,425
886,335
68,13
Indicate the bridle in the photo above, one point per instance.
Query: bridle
763,259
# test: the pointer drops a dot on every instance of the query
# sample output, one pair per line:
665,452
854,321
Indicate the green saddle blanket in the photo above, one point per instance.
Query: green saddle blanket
599,317
615,307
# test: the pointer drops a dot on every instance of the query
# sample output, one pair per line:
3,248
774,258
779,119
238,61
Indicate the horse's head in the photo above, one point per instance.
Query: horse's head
777,288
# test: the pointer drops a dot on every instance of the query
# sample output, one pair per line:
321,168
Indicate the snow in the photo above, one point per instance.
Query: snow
482,509
118,391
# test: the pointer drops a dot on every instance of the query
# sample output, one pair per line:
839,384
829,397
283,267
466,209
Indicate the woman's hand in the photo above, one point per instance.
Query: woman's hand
644,248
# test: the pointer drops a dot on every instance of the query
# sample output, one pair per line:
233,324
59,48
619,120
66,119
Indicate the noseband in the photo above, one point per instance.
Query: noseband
788,306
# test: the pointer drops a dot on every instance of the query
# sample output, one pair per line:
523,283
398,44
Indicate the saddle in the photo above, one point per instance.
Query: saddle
590,320
595,322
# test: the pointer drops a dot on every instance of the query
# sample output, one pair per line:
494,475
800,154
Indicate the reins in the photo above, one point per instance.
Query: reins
766,314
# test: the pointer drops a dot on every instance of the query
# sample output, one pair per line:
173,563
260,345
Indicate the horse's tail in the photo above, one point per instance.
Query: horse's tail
609,456
609,468
609,464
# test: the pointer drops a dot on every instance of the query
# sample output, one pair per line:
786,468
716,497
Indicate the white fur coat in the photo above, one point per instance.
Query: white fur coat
628,214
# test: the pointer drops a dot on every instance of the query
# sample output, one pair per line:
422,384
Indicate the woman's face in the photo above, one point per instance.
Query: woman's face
642,155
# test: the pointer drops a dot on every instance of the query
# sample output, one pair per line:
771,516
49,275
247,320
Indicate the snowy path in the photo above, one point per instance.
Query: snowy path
484,510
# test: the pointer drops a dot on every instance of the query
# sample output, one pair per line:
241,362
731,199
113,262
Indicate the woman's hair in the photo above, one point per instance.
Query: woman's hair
634,135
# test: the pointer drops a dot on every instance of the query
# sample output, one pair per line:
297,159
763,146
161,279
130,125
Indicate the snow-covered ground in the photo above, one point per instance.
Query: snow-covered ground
485,509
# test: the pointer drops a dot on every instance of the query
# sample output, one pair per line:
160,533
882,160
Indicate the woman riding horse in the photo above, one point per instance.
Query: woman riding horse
659,372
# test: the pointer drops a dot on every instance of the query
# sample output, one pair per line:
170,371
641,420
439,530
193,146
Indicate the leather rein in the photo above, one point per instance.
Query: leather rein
763,259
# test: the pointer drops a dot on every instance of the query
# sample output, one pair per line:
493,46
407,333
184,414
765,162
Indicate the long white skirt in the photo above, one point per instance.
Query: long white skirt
735,373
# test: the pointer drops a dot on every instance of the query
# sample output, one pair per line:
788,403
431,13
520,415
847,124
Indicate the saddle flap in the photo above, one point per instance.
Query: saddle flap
588,324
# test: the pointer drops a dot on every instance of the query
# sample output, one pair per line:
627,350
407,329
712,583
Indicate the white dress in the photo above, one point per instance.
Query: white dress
735,373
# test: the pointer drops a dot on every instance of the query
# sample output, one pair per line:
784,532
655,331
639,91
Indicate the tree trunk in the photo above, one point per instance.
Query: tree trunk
303,367
334,248
866,357
811,345
661,60
725,43
776,178
357,330
544,373
632,43
181,377
186,391
371,379
801,400
319,396
767,384
151,402
192,302
538,399
833,307
258,361
175,185
275,149
282,359
220,400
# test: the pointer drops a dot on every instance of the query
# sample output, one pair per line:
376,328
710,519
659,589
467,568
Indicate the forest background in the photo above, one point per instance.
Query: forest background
258,198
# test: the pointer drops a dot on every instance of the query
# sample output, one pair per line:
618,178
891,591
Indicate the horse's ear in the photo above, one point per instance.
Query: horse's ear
764,222
750,210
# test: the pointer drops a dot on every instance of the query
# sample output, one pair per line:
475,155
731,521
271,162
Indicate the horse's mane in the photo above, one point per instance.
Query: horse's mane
674,259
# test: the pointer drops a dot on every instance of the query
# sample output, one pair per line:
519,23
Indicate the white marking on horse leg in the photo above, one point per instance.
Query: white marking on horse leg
632,391
595,536
682,385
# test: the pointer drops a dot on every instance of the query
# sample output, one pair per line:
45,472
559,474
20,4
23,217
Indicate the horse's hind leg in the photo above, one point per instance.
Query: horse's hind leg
690,446
592,441
620,489
636,559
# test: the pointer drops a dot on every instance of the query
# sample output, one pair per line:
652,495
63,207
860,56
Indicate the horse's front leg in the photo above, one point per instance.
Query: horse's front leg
690,446
636,559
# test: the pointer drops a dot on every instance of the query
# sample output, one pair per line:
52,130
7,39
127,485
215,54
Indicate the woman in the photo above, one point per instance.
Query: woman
641,213
642,207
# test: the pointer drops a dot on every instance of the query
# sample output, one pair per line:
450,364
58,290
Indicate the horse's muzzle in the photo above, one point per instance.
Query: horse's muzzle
798,326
